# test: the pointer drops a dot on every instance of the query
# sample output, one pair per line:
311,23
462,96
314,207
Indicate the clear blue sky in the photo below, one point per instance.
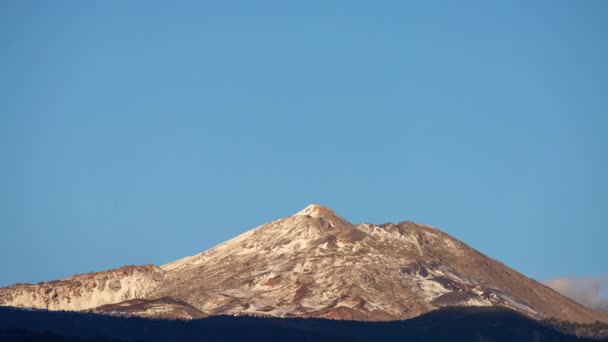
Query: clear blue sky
144,132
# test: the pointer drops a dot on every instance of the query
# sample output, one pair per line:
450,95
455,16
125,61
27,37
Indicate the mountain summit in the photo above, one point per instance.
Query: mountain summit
315,211
319,211
311,264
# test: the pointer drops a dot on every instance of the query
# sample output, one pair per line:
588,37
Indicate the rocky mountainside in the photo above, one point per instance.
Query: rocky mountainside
311,264
86,291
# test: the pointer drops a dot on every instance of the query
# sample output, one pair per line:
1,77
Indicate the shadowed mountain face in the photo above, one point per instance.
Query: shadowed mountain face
166,307
488,324
311,264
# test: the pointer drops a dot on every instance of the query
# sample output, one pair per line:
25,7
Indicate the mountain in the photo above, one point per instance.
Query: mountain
311,264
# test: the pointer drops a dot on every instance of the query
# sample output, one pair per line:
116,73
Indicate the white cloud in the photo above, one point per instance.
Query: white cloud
587,291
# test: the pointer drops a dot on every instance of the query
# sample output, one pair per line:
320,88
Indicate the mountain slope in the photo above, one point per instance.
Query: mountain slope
317,264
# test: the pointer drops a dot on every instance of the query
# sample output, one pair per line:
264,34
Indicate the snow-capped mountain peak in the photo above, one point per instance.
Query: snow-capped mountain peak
316,210
319,211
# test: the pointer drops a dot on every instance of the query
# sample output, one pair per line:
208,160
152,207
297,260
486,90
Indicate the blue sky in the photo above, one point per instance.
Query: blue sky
143,132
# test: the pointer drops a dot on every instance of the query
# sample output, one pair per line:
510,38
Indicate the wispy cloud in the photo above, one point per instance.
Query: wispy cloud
587,291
